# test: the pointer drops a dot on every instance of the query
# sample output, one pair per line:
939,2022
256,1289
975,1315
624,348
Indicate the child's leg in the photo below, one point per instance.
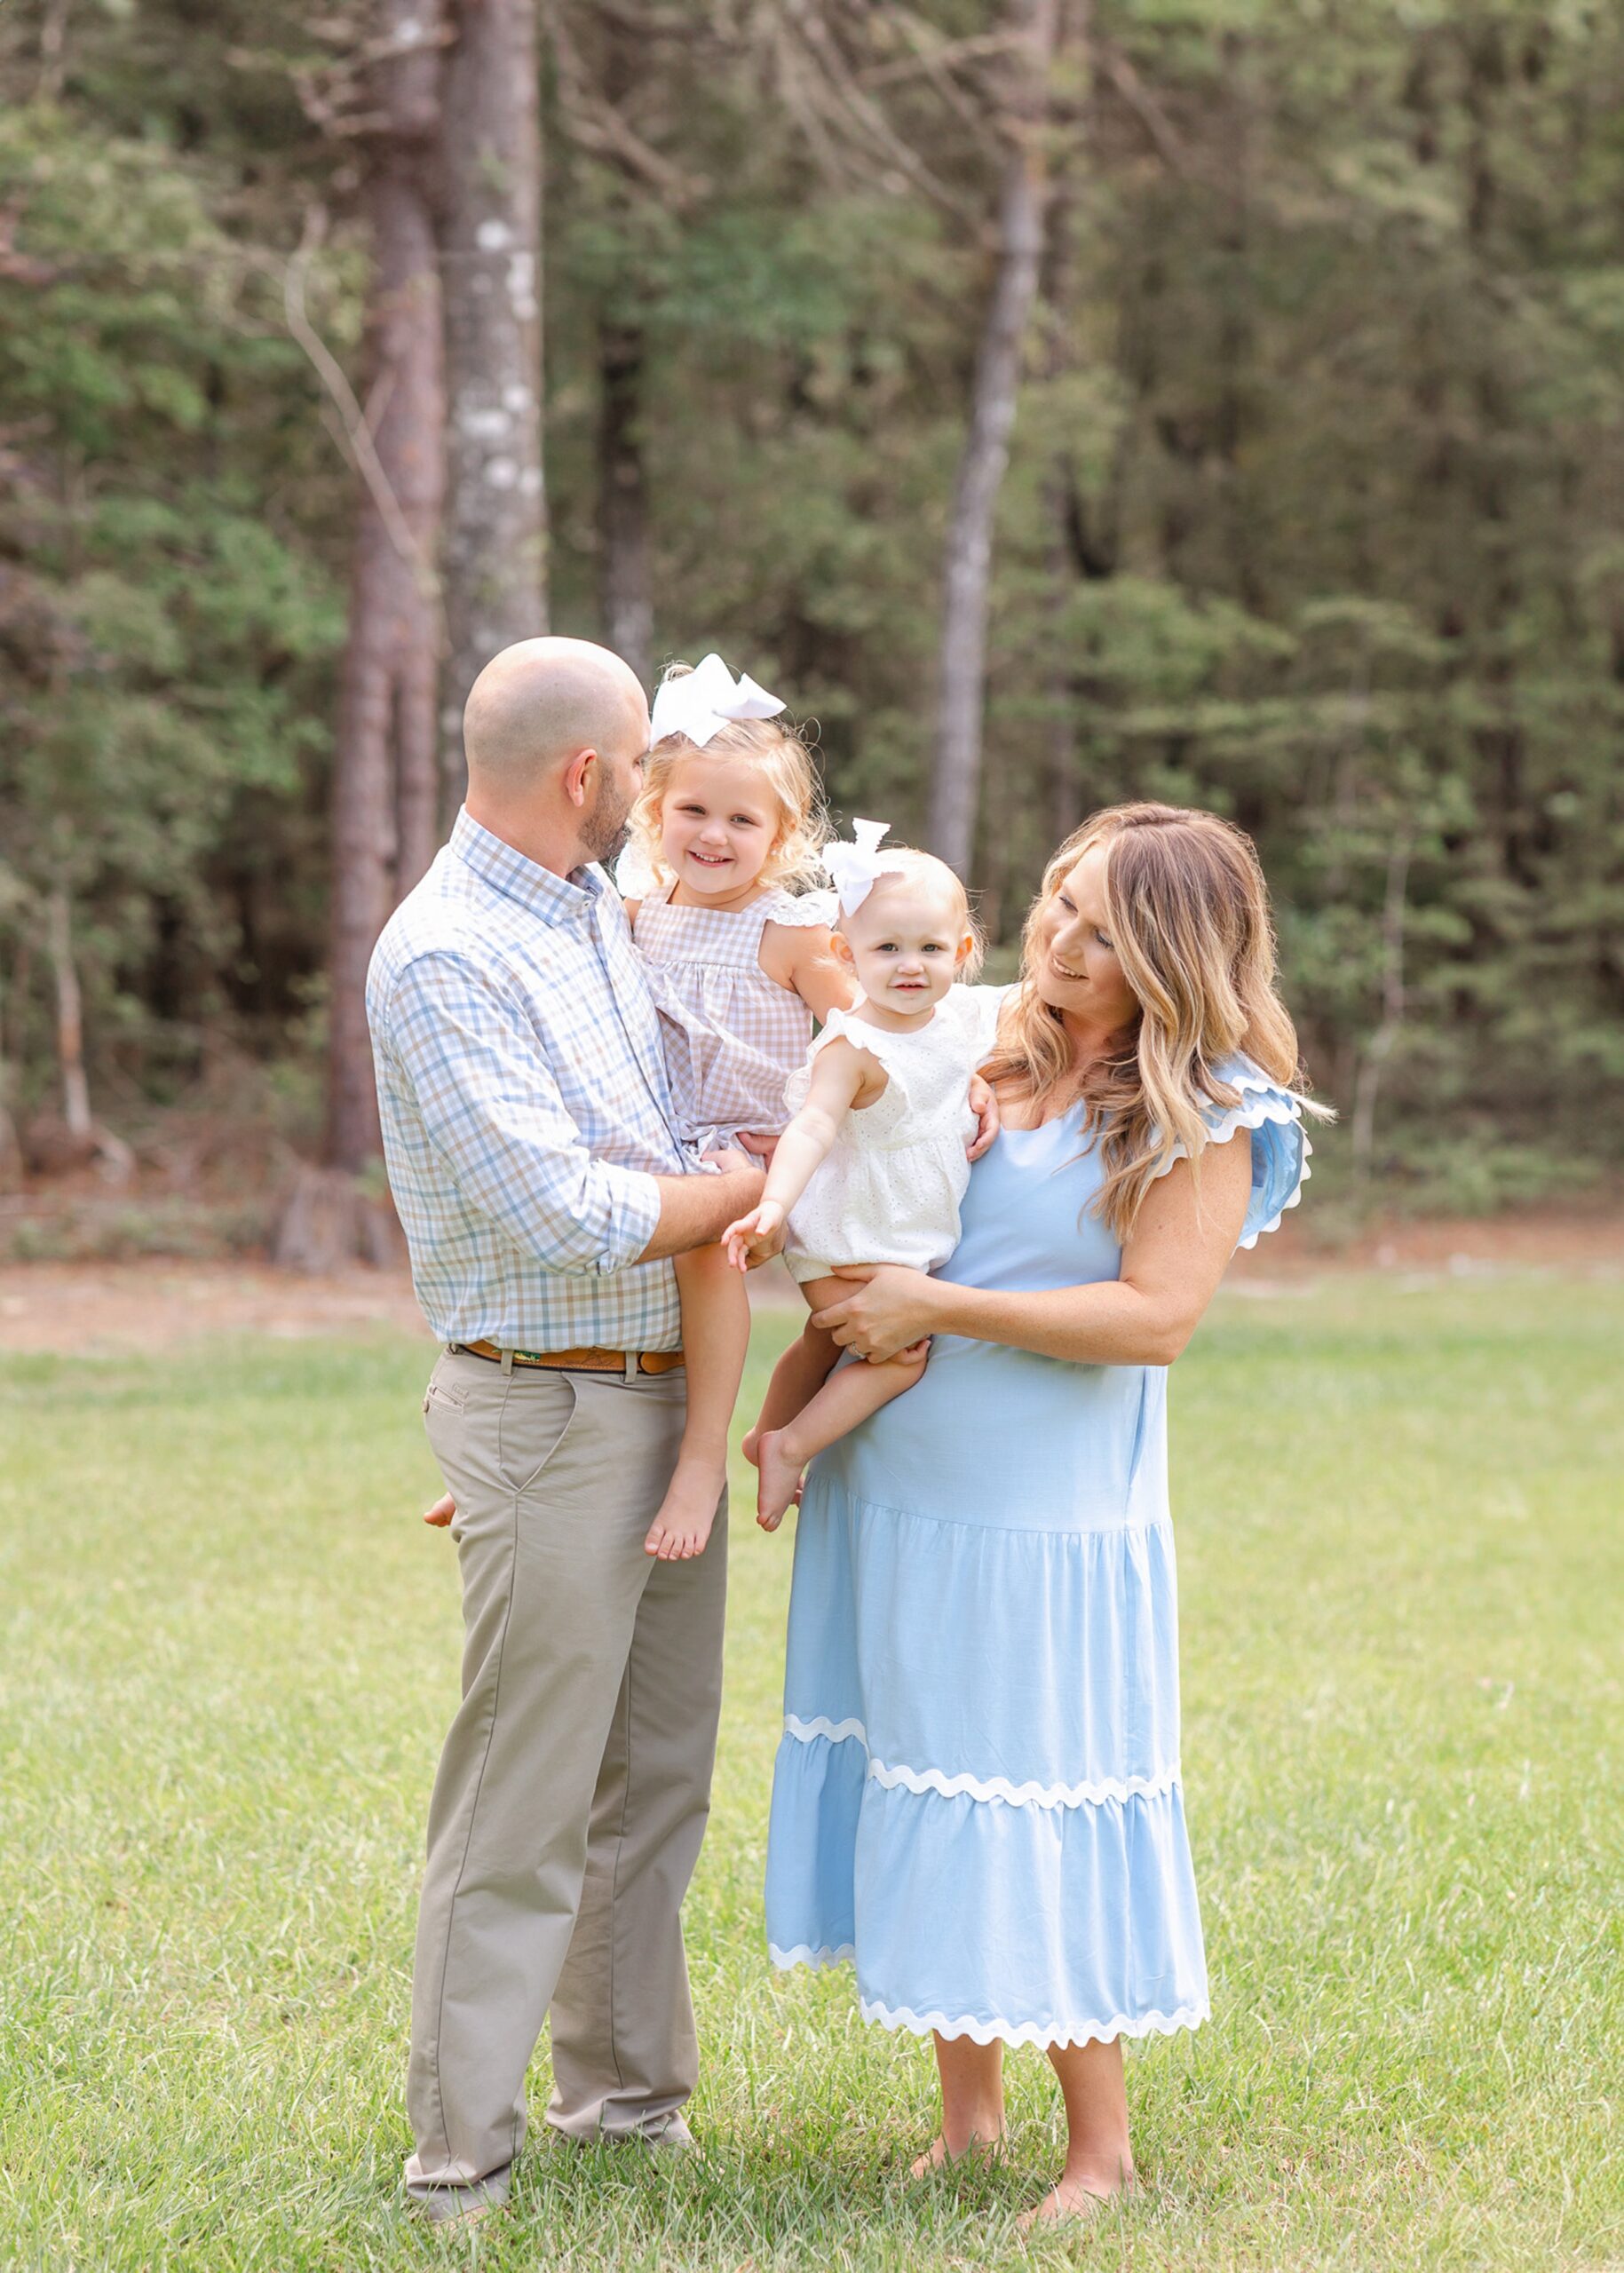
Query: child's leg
850,1395
797,1378
715,1334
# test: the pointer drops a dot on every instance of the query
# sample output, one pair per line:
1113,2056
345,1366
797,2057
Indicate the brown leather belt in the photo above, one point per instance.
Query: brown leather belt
580,1361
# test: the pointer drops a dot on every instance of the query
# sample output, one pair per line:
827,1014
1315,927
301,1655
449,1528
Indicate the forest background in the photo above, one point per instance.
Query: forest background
1308,318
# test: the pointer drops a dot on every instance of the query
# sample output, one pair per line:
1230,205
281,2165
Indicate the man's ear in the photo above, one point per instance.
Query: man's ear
578,778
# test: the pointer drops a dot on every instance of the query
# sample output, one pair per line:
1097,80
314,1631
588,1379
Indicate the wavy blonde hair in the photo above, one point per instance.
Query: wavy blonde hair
777,750
1189,916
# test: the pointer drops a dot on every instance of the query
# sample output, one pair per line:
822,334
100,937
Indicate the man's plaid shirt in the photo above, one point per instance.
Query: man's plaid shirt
525,1106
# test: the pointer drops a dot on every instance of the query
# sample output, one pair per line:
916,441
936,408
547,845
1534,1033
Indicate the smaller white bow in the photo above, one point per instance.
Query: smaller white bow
703,701
857,867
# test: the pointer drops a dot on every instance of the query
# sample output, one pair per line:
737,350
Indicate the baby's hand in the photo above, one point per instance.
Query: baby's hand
757,1237
984,1105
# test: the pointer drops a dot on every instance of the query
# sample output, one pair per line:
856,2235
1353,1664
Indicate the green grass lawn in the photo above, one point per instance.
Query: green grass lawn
229,1649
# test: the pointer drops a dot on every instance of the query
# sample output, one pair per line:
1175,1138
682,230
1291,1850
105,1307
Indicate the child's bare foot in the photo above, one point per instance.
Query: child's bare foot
686,1512
440,1513
780,1477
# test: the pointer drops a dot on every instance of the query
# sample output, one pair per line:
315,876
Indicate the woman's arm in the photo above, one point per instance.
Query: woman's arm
1171,1266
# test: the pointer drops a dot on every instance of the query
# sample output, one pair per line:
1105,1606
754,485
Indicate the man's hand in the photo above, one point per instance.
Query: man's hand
731,1160
984,1105
755,1237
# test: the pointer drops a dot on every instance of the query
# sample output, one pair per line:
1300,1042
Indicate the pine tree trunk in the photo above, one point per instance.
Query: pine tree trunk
383,790
496,564
951,821
69,1017
622,500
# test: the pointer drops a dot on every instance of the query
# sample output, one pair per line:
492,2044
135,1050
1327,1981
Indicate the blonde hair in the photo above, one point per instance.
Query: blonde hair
924,868
779,753
1189,916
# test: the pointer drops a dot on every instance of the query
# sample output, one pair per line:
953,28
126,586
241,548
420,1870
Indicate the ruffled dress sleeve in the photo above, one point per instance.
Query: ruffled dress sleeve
803,911
1281,1148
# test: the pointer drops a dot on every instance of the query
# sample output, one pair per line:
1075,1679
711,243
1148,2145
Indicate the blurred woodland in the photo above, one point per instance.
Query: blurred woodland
1220,400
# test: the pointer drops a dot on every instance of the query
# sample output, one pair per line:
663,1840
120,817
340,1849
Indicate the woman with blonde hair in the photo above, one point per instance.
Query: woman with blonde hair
977,1794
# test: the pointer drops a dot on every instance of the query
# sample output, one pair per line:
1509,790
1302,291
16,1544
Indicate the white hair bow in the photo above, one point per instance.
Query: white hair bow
857,867
703,701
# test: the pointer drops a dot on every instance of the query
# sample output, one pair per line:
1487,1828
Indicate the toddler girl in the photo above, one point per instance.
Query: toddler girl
873,1164
729,819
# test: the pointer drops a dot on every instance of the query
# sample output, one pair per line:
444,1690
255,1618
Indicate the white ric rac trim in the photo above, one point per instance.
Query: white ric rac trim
1024,1795
803,1954
837,1731
984,1787
1033,2032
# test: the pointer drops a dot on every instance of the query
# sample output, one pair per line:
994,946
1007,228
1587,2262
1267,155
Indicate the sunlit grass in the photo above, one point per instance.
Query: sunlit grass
229,1651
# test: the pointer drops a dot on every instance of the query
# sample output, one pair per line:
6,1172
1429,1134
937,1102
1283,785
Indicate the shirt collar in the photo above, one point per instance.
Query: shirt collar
555,898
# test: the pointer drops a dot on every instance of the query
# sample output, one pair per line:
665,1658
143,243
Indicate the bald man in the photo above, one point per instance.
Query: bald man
534,1154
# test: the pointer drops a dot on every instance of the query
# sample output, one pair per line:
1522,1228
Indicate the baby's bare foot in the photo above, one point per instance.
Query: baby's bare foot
780,1478
686,1514
440,1513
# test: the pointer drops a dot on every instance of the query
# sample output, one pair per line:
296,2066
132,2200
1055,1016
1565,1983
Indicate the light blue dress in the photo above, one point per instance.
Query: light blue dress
977,1794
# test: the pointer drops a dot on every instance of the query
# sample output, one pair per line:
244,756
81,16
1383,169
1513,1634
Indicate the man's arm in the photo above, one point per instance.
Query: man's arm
695,1210
493,1111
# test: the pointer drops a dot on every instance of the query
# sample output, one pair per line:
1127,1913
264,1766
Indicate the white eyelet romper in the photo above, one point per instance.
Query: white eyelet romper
889,1188
732,1035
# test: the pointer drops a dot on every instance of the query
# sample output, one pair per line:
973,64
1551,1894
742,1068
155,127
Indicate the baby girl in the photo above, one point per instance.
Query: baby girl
873,1165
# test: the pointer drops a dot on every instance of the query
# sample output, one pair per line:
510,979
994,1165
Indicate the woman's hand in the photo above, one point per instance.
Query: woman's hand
889,1309
984,1105
757,1237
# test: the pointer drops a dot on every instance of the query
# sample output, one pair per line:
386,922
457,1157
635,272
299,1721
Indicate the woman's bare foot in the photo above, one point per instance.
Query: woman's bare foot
936,2156
686,1512
1076,2198
780,1477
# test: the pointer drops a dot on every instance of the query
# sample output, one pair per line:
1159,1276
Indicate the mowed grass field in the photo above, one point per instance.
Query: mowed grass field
228,1648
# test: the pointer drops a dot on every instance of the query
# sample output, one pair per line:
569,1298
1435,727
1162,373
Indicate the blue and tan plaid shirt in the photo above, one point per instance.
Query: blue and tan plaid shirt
525,1106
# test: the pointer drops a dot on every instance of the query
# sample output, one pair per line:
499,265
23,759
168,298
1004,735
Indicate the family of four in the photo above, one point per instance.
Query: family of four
977,1796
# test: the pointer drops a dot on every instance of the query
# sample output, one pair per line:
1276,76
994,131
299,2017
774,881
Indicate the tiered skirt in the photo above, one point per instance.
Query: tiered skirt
977,1795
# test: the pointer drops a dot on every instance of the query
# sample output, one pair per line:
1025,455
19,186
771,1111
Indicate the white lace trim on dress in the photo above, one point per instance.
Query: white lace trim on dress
989,1788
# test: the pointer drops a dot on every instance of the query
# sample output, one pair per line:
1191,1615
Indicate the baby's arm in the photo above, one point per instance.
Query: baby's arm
800,957
842,1076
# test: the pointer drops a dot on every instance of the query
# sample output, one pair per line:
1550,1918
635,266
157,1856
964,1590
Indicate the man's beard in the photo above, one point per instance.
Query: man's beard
604,831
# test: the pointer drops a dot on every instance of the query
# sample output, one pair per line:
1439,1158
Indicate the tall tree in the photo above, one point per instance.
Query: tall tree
951,818
495,537
383,814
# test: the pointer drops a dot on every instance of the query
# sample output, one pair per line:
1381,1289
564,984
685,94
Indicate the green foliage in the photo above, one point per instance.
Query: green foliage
1310,516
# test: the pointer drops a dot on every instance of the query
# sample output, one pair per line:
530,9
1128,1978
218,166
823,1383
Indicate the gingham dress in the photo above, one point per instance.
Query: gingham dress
732,1035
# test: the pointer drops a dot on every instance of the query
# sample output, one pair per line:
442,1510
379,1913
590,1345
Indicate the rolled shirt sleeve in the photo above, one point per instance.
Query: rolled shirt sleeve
492,1111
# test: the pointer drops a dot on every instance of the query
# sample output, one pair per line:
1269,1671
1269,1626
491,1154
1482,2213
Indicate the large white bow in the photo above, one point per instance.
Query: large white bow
857,867
703,701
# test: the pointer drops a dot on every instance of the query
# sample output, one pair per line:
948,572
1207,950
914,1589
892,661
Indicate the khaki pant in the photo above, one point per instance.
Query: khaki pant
574,1787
